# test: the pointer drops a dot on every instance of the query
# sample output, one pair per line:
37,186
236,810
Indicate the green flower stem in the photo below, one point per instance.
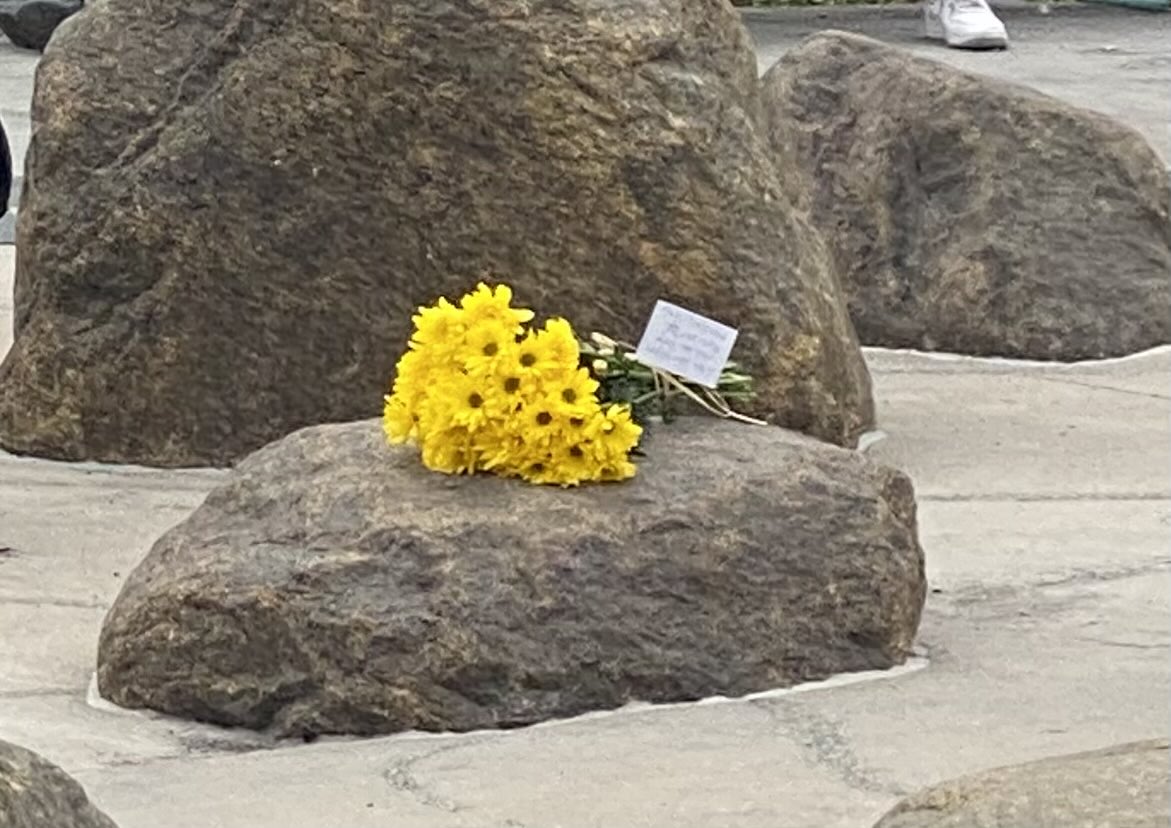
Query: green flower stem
625,380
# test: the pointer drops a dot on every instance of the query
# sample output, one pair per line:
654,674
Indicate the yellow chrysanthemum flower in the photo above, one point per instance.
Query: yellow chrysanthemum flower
499,450
410,382
507,392
439,327
537,359
450,450
558,341
491,350
574,465
576,391
486,304
397,421
470,406
620,428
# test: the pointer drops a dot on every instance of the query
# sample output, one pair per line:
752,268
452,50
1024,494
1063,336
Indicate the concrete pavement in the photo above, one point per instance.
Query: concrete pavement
1044,510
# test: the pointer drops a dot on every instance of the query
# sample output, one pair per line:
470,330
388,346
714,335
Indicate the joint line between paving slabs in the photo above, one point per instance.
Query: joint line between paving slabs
40,692
51,602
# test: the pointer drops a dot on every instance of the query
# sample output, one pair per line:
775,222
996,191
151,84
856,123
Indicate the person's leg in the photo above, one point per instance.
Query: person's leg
964,24
5,172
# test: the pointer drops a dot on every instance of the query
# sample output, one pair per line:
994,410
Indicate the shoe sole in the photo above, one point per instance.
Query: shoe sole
980,44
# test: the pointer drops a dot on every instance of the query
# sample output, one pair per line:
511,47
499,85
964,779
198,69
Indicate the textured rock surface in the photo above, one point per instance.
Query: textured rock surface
1121,787
35,793
232,209
972,216
335,586
30,23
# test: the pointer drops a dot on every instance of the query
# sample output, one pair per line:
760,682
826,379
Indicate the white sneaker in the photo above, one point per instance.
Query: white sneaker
964,24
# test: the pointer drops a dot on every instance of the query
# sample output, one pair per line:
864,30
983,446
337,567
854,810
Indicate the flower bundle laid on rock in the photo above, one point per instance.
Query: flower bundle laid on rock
478,390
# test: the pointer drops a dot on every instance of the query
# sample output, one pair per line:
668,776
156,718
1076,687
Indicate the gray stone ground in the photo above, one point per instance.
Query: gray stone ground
1044,509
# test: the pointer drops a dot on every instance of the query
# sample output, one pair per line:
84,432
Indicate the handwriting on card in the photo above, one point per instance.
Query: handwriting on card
681,342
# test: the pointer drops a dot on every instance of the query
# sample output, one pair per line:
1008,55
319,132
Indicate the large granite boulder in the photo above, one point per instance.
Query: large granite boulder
973,216
233,207
1127,786
333,585
35,793
30,23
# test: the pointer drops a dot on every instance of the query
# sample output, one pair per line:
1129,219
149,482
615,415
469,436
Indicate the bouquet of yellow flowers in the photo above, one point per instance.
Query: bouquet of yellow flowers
479,390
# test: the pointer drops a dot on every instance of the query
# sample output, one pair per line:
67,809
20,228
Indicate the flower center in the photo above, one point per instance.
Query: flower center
569,395
491,349
528,360
475,400
544,418
512,385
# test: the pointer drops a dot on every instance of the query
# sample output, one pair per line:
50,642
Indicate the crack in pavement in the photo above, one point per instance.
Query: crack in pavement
979,592
401,777
1114,388
824,744
1127,644
1034,600
104,481
1098,576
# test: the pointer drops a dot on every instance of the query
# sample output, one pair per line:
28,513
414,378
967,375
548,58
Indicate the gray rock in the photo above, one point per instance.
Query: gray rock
200,274
30,23
969,215
35,793
335,586
1121,787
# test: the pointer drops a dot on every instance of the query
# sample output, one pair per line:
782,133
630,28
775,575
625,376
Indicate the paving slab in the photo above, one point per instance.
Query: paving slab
987,544
72,502
1066,432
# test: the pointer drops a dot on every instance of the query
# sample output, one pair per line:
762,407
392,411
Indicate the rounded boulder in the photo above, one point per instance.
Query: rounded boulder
334,585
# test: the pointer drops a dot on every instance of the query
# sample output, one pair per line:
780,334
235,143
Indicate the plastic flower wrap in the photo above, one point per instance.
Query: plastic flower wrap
480,390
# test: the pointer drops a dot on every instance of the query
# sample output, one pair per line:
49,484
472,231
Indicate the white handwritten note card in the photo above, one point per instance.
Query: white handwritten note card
685,343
